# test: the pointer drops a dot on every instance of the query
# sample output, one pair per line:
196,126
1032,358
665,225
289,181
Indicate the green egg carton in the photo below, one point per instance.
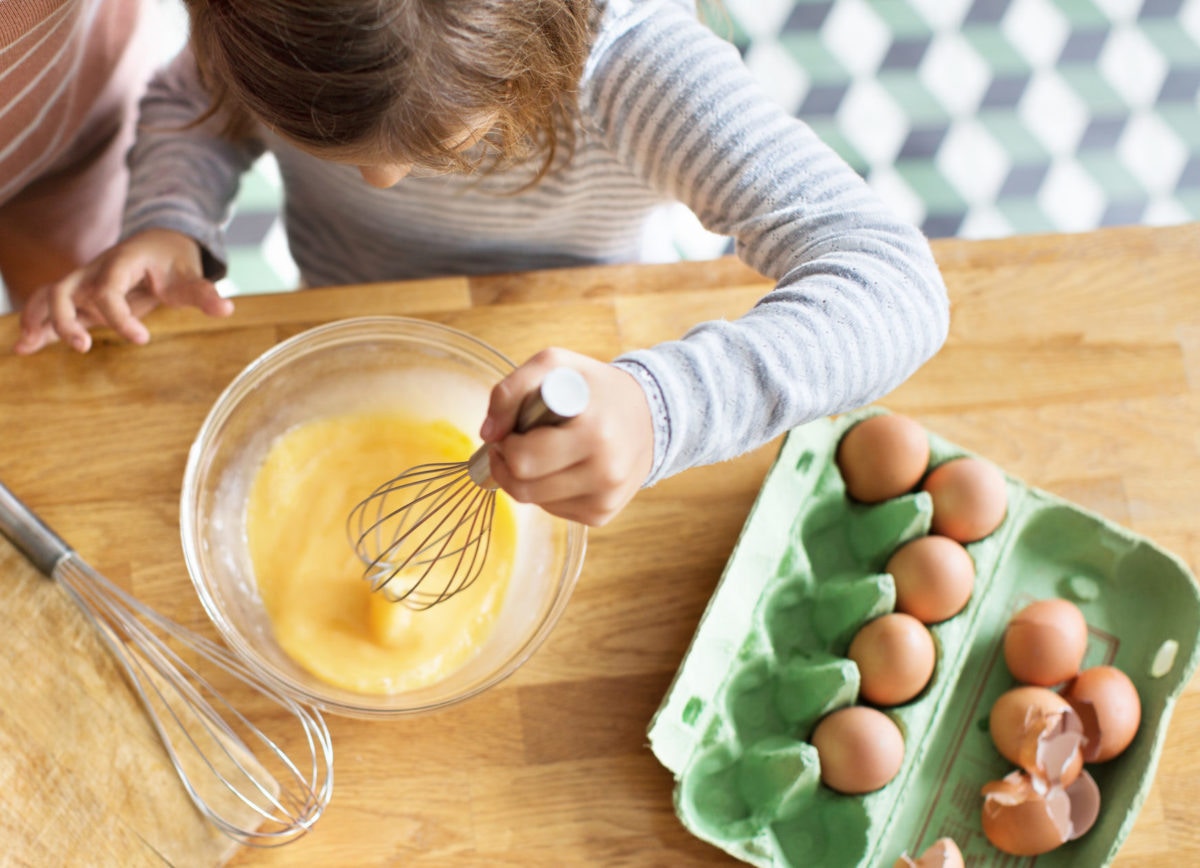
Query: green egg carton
767,661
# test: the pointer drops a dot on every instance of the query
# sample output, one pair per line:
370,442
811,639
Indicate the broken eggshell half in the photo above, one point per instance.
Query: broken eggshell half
942,853
1023,815
1039,731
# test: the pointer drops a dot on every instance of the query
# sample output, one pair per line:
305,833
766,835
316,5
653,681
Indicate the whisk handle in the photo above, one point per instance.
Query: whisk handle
562,395
32,537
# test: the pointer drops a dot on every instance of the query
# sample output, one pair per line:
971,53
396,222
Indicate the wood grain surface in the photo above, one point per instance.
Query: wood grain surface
1073,362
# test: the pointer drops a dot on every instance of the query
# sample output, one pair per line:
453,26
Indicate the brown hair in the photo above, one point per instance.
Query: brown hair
400,77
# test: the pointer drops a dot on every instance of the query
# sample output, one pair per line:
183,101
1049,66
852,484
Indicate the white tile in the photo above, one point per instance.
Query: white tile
1133,66
1070,198
872,121
1189,19
954,72
985,221
783,80
899,196
1153,152
1053,112
942,14
973,161
1165,211
759,17
276,254
1037,29
1120,10
857,36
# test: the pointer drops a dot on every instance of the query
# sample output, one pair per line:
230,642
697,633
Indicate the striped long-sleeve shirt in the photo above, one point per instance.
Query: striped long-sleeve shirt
667,112
57,57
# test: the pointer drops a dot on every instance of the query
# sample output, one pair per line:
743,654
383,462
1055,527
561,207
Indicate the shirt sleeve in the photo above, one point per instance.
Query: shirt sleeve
183,176
859,303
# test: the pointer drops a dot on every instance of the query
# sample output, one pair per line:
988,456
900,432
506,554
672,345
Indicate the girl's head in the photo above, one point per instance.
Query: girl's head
408,82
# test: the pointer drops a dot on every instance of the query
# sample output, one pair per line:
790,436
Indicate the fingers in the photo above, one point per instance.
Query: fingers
586,492
117,289
507,396
36,330
200,294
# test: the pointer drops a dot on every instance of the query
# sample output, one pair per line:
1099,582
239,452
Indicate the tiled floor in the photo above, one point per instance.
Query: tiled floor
975,118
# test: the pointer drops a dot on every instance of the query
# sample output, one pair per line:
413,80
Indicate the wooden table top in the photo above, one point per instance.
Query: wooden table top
1073,363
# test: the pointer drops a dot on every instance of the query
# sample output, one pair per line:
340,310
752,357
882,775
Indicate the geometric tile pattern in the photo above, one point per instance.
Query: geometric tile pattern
984,118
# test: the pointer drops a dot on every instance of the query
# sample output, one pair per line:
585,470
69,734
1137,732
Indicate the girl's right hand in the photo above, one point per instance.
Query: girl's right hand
117,288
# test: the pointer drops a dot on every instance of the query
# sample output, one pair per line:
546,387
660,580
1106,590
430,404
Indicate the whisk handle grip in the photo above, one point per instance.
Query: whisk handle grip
32,537
562,395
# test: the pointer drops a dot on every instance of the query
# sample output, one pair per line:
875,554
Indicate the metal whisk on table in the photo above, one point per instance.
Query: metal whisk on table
424,534
238,776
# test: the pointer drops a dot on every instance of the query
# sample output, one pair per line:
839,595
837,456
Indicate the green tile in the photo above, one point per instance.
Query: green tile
919,105
1190,200
725,24
1082,13
1116,181
251,273
257,192
1025,216
902,20
831,134
1185,122
1022,146
1097,94
995,49
938,194
1179,49
818,62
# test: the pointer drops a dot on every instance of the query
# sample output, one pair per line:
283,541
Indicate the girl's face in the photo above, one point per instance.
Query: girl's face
381,171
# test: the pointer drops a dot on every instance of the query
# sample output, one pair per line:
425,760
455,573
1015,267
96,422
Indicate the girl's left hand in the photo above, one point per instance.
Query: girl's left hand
585,469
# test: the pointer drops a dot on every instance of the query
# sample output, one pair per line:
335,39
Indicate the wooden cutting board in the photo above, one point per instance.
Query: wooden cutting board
84,779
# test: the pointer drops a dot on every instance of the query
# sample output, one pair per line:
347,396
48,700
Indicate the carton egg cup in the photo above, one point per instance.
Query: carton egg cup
768,660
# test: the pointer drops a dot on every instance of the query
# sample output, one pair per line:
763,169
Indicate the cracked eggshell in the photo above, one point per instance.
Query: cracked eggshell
1109,708
942,853
1039,731
1044,643
1024,816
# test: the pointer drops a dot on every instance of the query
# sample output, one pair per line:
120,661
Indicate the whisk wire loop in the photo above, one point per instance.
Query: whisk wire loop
222,774
441,535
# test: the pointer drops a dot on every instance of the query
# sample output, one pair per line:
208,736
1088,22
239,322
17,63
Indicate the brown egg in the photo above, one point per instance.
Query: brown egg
1108,704
1037,729
970,498
860,749
1045,642
934,576
895,655
883,456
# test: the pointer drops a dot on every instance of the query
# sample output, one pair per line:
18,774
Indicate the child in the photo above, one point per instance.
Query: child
71,73
522,134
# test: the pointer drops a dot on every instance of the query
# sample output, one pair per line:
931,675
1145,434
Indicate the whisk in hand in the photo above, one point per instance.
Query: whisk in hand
424,535
237,776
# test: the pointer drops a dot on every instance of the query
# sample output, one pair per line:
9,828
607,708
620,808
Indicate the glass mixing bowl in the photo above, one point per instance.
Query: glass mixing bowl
352,365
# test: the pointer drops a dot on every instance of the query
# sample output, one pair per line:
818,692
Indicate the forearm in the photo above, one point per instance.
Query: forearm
184,177
859,304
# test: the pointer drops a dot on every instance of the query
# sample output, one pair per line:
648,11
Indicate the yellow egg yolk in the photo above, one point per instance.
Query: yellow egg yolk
323,613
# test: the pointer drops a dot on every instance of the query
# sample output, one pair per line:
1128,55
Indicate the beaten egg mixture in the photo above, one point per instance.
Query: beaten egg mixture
311,582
